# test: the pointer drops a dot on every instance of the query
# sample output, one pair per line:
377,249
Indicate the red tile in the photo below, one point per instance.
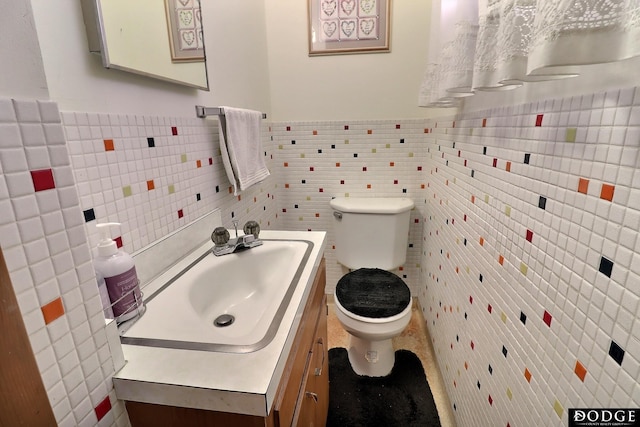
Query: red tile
580,370
547,318
180,213
484,123
174,130
346,127
539,120
103,408
118,241
43,179
529,235
150,185
315,132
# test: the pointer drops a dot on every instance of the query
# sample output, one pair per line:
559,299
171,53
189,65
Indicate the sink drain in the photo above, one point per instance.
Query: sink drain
224,320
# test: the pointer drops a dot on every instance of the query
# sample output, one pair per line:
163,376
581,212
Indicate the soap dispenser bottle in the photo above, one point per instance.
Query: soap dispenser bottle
119,273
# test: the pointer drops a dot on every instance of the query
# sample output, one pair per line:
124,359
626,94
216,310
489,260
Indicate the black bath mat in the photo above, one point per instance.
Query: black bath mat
402,398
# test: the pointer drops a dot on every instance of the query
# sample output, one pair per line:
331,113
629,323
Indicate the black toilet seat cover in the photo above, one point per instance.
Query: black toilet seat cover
372,292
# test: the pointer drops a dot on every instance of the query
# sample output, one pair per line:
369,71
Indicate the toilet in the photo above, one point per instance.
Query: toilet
372,303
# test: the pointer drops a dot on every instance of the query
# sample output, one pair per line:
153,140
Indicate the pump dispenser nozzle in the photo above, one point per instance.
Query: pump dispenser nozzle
107,246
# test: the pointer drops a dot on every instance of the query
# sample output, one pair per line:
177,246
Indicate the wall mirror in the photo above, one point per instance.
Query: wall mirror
155,38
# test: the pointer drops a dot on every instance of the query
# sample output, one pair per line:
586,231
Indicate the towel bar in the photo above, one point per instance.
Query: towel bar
213,111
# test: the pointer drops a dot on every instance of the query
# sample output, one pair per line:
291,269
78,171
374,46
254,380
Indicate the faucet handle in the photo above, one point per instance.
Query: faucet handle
220,236
252,227
235,226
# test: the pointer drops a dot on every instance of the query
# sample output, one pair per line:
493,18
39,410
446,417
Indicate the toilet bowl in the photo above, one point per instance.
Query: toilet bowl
373,306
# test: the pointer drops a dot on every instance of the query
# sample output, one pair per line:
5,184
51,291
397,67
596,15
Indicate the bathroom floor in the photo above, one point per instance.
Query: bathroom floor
415,338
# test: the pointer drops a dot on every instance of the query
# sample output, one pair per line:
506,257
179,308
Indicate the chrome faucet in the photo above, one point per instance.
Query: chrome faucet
224,245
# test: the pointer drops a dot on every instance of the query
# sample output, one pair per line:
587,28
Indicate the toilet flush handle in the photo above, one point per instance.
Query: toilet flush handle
337,214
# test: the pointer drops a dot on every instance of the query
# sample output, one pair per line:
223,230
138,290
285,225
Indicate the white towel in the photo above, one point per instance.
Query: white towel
241,148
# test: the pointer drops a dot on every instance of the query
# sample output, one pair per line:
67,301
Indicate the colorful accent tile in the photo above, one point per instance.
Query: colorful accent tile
171,189
183,158
52,310
43,179
501,260
539,120
180,213
523,268
570,135
527,375
151,142
508,167
583,185
150,185
580,370
103,408
616,352
546,318
606,266
529,235
606,193
523,318
118,241
509,394
174,130
557,407
527,158
126,191
108,145
542,202
89,215
198,164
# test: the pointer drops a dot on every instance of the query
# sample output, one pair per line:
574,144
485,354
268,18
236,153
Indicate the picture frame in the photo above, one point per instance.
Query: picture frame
184,23
348,26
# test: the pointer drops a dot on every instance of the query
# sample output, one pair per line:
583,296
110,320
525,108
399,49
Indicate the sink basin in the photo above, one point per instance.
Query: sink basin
232,303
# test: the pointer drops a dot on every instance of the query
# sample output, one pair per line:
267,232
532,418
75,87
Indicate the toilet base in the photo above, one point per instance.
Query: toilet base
371,358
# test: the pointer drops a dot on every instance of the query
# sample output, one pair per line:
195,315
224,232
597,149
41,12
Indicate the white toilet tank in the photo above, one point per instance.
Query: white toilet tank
371,232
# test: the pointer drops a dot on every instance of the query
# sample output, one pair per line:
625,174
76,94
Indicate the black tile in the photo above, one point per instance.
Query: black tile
472,173
89,215
616,352
504,351
198,198
523,318
151,142
484,150
606,266
527,158
542,202
490,370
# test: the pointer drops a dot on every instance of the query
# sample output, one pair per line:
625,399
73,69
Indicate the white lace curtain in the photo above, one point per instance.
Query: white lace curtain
490,45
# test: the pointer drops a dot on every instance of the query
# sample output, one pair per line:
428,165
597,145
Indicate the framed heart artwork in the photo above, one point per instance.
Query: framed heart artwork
184,22
348,26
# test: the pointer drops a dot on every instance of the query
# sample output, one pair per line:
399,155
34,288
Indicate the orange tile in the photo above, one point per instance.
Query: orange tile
337,164
508,167
198,163
484,123
501,260
51,311
583,185
108,145
580,370
527,375
315,132
150,185
482,241
607,192
392,164
369,132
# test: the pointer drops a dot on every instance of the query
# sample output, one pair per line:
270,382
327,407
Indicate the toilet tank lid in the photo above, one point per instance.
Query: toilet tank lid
373,205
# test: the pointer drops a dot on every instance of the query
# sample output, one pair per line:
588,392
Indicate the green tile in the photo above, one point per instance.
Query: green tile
558,408
523,268
126,191
183,158
172,189
571,135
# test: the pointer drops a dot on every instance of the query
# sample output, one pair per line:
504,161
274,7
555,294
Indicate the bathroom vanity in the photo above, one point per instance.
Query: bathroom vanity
282,384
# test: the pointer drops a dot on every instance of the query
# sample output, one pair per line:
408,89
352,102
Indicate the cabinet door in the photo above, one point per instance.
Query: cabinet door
313,403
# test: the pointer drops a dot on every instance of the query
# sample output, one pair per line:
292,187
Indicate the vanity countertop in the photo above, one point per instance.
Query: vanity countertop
244,383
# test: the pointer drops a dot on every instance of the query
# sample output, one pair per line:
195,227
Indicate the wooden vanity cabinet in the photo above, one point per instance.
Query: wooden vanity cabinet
302,398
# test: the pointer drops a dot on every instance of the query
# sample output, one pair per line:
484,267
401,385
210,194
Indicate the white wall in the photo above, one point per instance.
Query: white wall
236,60
21,69
362,86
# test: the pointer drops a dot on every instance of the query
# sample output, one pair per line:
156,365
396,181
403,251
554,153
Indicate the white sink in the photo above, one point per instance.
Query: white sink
253,287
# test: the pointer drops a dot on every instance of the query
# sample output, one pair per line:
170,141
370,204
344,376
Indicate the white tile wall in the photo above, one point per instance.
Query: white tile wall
477,210
469,213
